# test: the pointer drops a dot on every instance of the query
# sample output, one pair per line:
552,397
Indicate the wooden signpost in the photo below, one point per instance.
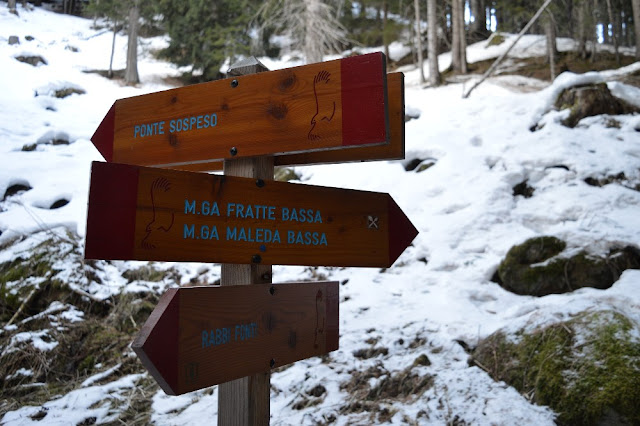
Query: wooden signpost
394,150
203,336
321,106
145,213
234,334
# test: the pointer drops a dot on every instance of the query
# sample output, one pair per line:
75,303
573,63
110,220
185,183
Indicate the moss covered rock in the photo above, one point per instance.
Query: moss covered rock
586,369
590,100
496,39
534,268
285,174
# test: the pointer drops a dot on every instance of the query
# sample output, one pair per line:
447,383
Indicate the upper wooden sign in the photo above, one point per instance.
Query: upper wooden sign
394,150
321,106
202,336
142,213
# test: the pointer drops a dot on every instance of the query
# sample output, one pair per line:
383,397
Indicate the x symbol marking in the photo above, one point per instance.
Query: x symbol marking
372,222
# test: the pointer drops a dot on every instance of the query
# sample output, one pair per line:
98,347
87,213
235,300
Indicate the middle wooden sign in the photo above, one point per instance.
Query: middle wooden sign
143,213
328,105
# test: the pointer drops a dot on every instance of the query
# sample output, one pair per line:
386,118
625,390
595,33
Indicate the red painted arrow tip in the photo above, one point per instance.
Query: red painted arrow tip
103,137
401,231
157,343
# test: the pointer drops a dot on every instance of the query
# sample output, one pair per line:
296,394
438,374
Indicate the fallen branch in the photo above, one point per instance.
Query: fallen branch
495,64
22,306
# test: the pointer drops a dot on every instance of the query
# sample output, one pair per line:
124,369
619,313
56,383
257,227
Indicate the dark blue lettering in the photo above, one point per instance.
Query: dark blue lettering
188,231
189,207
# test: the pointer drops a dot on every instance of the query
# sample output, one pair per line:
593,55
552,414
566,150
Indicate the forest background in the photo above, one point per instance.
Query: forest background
207,35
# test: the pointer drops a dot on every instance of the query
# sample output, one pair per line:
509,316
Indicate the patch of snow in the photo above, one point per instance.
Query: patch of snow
627,93
34,338
97,377
439,290
21,372
77,406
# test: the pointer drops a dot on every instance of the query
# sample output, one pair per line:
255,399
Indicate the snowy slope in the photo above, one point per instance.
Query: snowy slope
439,291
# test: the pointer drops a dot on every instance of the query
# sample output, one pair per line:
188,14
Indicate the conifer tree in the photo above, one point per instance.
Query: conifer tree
204,33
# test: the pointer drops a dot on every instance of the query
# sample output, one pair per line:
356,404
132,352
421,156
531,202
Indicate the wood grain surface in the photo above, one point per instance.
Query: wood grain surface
394,150
187,216
321,106
202,336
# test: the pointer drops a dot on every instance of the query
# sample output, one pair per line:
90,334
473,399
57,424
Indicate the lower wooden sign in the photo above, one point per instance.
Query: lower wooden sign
202,336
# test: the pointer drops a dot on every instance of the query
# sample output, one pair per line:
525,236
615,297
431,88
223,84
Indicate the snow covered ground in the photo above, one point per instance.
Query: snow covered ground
438,292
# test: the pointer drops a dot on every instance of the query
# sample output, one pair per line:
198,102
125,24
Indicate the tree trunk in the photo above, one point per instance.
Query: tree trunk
313,50
463,39
636,25
569,19
432,21
617,27
12,7
478,28
458,49
614,28
629,31
416,6
582,30
455,35
113,49
552,48
131,72
385,34
594,36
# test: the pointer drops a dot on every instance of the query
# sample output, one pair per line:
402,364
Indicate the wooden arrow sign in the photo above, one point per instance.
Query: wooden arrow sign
202,336
394,150
321,106
141,213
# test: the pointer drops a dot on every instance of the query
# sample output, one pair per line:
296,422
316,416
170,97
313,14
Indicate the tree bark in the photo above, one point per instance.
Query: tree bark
582,30
462,39
552,49
628,31
416,6
594,39
12,7
131,72
478,28
458,49
455,35
313,50
432,21
113,49
635,4
614,28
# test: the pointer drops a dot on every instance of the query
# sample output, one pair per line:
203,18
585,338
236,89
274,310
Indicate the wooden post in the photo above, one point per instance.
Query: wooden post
245,402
